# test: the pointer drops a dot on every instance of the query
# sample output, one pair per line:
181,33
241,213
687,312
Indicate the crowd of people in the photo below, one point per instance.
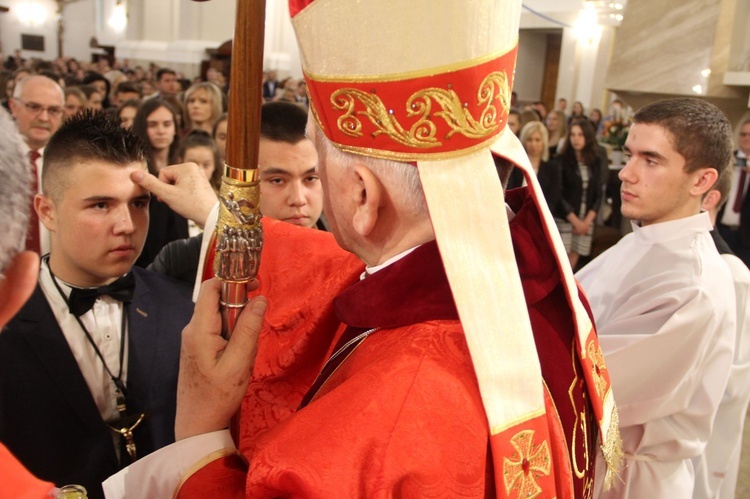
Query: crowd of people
178,120
378,353
573,168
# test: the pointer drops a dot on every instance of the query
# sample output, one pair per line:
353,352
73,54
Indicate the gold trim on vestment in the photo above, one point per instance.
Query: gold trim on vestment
414,156
410,75
495,430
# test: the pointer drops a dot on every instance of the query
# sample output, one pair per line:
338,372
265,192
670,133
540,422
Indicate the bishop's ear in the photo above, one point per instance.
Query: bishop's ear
368,198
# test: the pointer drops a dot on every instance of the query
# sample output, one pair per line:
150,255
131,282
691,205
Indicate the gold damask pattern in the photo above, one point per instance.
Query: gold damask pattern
423,133
529,462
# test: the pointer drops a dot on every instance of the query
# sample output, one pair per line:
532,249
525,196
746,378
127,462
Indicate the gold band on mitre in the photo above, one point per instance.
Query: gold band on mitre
432,114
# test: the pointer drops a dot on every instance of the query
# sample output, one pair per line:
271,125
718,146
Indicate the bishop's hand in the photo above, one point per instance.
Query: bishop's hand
214,372
183,187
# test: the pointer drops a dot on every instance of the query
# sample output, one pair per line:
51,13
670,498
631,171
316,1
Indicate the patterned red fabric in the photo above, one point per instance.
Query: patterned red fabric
16,481
300,326
402,415
368,115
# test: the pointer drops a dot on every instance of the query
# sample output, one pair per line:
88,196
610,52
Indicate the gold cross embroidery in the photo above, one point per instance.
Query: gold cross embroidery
529,462
597,368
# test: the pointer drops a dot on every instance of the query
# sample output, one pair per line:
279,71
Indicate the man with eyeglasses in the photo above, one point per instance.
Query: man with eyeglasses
734,217
37,105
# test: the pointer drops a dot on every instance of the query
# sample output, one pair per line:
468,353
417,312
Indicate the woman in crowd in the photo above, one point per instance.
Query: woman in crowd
94,98
127,111
198,147
595,117
101,84
203,102
148,88
154,123
557,127
534,138
529,115
576,112
75,102
581,190
219,133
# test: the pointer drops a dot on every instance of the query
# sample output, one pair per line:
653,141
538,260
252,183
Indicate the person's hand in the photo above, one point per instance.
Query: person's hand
580,227
214,372
183,187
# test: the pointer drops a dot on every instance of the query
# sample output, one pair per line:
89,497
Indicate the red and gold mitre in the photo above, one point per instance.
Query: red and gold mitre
430,83
395,80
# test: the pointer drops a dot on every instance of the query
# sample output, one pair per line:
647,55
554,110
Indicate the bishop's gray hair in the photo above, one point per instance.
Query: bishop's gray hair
401,179
15,191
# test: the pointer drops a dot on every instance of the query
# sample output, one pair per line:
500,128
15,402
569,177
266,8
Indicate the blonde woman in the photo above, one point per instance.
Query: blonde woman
557,126
535,139
203,103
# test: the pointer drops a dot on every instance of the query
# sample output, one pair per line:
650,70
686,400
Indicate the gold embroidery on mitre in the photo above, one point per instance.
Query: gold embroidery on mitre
597,368
528,462
423,133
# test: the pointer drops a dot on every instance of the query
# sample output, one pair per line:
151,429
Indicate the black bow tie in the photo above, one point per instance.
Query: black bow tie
82,300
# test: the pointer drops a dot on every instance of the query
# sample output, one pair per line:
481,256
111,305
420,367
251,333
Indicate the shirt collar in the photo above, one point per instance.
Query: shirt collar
674,229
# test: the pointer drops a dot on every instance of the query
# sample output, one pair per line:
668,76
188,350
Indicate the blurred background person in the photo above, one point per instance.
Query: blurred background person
155,124
219,133
75,102
576,112
203,102
127,111
558,129
148,88
595,117
198,147
101,84
581,194
94,98
535,141
125,91
514,121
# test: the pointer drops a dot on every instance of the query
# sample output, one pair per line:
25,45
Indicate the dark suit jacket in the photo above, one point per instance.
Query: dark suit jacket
269,89
744,215
164,226
572,189
549,181
48,417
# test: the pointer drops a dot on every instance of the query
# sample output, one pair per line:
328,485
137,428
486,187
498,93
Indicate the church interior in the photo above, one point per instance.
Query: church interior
610,57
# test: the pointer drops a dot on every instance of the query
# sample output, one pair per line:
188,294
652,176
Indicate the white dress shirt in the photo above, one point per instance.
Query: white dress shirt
103,322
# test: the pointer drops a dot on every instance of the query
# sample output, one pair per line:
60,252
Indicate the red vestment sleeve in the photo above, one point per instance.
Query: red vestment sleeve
223,477
17,482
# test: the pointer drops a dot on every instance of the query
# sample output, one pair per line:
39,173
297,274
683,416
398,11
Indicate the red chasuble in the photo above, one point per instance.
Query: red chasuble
17,482
400,414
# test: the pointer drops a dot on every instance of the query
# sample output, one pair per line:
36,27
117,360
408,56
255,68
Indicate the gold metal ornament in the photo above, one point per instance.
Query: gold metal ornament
239,239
